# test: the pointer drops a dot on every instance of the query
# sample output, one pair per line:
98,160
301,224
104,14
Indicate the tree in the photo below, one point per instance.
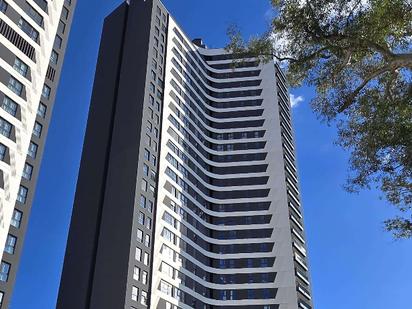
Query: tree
357,54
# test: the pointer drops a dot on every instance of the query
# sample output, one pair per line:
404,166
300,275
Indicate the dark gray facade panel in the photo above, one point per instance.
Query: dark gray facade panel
119,200
96,267
82,241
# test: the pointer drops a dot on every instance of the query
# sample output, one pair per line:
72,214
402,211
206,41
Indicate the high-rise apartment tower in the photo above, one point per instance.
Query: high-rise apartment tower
33,38
188,194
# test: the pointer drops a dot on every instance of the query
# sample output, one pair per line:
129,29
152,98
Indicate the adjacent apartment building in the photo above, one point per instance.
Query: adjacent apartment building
188,192
33,38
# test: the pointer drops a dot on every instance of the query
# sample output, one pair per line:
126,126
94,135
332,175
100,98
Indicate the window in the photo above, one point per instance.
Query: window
149,127
1,293
263,263
168,270
168,253
154,146
37,129
27,171
153,175
20,67
179,294
62,27
22,194
65,13
46,92
28,29
58,41
159,94
150,206
151,100
135,293
5,127
4,271
38,19
153,74
169,219
144,277
141,218
166,288
9,106
138,254
222,295
145,170
148,223
136,273
154,160
139,235
168,235
142,201
147,154
143,299
173,206
41,111
32,151
175,192
3,6
147,240
152,88
16,219
54,57
42,4
146,259
15,86
3,150
144,185
10,246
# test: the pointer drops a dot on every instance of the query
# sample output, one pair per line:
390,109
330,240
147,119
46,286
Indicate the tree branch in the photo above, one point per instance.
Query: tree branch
350,100
351,12
306,58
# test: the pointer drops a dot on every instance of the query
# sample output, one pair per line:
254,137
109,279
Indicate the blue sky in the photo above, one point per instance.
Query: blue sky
354,263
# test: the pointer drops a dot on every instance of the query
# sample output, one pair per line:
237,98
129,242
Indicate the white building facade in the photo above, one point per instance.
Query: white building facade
33,37
229,230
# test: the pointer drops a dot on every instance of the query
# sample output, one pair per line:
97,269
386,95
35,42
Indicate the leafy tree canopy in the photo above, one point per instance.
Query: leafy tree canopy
358,56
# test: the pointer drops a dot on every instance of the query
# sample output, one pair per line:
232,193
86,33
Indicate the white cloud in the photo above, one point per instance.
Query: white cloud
295,100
